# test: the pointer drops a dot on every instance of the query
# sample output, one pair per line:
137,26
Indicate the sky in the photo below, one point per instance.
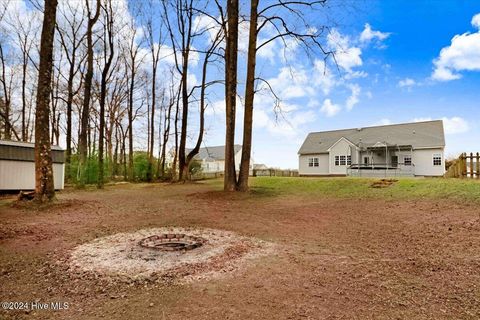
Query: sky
397,61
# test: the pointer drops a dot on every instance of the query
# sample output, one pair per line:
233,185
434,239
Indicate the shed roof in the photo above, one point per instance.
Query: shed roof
427,134
214,153
26,144
25,151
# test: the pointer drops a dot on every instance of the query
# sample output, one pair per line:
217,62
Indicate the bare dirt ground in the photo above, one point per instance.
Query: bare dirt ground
339,259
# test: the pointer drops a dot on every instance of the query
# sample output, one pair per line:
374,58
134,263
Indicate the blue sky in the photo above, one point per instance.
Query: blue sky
391,69
398,61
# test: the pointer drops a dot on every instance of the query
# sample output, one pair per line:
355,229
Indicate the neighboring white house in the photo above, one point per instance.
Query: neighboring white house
407,149
17,166
213,158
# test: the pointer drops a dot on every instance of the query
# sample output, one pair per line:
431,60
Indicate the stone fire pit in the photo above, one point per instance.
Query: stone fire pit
179,254
172,242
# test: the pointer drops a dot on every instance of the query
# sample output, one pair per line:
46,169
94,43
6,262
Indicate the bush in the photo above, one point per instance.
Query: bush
140,166
91,170
140,169
195,167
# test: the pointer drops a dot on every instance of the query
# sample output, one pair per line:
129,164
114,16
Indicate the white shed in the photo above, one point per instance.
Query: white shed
17,166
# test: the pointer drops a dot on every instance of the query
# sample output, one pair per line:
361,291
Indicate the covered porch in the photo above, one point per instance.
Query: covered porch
383,159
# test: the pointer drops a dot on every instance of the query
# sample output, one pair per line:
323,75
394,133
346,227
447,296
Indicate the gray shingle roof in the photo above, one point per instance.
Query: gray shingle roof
213,153
25,151
427,134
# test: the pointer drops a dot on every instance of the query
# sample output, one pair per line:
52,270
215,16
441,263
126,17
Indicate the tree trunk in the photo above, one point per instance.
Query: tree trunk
44,187
166,134
103,93
231,52
7,129
196,149
71,73
130,124
83,143
24,101
152,119
249,96
175,157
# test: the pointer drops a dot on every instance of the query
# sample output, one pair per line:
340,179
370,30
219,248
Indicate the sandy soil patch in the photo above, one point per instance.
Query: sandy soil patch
121,257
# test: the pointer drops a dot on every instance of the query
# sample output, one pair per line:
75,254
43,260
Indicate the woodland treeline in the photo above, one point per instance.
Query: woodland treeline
116,76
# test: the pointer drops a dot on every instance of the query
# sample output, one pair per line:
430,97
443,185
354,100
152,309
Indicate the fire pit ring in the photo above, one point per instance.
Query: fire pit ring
172,242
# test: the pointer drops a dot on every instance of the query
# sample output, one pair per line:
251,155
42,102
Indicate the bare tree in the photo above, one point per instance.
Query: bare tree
44,187
71,41
182,23
25,34
155,56
132,61
83,143
103,90
208,54
231,56
242,184
172,101
6,83
278,16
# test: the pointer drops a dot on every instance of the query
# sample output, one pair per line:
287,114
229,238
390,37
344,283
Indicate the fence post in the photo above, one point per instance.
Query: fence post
464,164
478,165
471,165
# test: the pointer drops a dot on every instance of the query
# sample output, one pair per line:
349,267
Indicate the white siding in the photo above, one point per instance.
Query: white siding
219,165
423,161
20,175
341,148
213,166
238,159
322,169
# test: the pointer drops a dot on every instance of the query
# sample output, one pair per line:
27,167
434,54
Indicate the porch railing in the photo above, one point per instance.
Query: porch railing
381,170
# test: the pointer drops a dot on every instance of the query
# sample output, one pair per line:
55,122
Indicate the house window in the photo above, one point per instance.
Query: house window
437,159
366,161
313,162
343,160
407,160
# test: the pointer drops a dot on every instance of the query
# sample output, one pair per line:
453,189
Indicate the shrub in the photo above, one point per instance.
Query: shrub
195,167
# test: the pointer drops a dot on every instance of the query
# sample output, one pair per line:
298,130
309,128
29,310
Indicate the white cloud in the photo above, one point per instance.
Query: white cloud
330,109
476,21
353,99
383,122
291,82
463,54
444,74
368,35
347,56
407,82
356,74
323,77
451,125
455,125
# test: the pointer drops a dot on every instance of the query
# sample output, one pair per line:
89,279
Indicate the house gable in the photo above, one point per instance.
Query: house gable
340,140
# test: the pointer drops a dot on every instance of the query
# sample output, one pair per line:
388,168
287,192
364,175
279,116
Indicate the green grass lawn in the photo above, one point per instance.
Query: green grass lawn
406,188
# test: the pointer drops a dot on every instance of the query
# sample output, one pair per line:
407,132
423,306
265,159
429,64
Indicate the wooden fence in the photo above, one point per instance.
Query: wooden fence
466,166
274,173
254,173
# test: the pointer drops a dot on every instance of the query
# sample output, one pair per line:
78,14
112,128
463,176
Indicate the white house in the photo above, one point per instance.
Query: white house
17,166
407,149
212,159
